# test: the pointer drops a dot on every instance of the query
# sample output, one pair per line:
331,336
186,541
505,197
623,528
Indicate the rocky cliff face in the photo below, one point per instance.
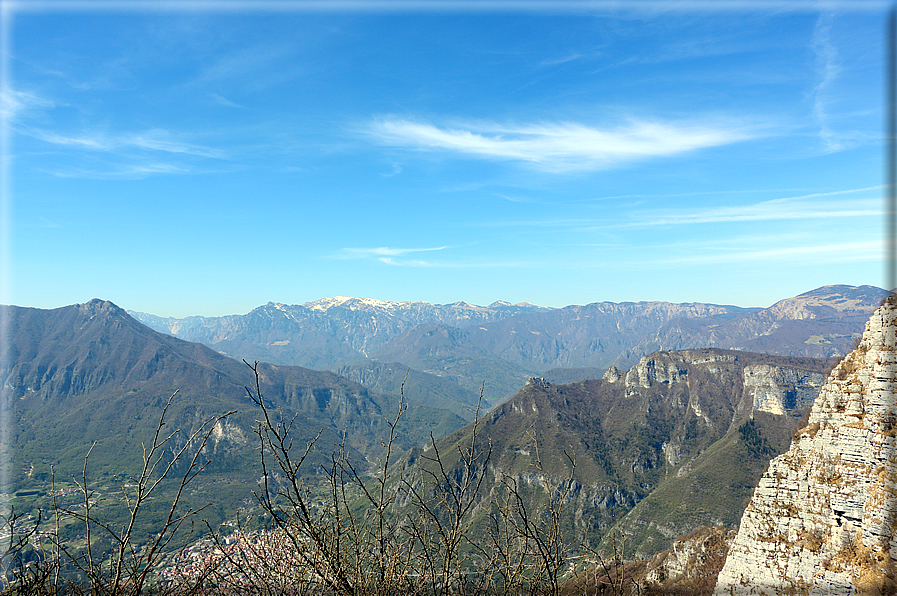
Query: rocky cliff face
691,560
778,390
822,519
748,405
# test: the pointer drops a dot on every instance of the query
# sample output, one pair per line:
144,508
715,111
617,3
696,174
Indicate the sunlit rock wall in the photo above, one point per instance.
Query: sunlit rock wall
822,519
778,390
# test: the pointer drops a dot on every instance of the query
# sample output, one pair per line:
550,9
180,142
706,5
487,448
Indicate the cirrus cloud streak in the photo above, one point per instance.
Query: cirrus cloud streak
153,140
804,207
397,257
382,251
846,252
560,147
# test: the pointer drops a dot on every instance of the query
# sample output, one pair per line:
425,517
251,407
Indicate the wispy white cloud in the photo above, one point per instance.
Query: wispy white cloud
162,140
152,140
113,75
574,222
388,256
120,172
14,103
561,147
252,68
847,252
240,63
396,257
405,263
828,67
517,199
223,101
39,222
453,264
697,46
561,60
396,170
86,142
804,207
382,251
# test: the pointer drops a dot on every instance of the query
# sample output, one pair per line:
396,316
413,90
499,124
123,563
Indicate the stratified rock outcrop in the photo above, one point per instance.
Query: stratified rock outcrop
692,560
822,519
778,390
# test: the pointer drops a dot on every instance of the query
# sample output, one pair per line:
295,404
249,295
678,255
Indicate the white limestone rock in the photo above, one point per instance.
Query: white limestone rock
612,374
655,369
822,519
778,390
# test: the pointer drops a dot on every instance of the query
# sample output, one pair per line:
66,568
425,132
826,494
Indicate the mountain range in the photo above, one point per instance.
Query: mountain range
675,442
504,344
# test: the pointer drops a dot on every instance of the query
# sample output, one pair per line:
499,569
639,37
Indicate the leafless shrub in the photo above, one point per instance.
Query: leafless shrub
611,573
396,533
125,569
23,562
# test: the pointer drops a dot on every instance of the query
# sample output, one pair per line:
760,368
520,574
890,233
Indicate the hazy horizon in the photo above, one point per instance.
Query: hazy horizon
377,300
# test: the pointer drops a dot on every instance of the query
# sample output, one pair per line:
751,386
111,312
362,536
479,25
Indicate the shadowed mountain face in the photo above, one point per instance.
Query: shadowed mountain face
90,372
676,442
585,336
398,379
453,353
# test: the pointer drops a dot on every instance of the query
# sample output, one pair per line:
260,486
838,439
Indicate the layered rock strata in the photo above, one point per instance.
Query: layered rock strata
822,519
692,559
778,390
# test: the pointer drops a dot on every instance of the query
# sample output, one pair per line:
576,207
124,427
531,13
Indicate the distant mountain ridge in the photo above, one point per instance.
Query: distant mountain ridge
323,333
821,323
503,343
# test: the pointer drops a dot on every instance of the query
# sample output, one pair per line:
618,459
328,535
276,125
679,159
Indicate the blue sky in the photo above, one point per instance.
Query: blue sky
207,158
